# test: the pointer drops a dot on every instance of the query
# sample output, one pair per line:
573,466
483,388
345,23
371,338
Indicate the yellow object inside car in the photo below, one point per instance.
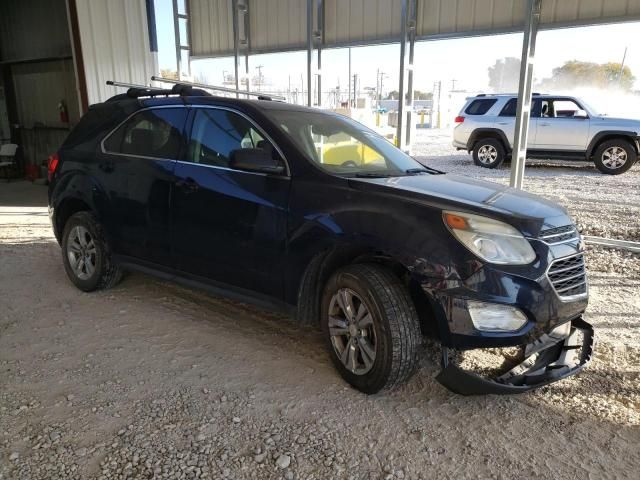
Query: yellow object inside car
338,153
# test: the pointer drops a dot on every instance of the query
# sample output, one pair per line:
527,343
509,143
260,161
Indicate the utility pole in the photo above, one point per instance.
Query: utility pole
259,68
624,57
349,81
453,84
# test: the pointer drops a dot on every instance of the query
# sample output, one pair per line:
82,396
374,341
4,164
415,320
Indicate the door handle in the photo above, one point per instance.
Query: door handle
188,185
544,124
503,123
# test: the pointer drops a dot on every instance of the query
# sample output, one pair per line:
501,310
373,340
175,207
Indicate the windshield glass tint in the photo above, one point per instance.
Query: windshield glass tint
341,145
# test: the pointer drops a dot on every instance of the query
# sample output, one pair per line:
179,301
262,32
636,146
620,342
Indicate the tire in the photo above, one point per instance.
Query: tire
100,272
392,333
488,153
614,157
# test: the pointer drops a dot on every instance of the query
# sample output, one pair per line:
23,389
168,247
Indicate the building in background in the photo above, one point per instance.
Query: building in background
55,57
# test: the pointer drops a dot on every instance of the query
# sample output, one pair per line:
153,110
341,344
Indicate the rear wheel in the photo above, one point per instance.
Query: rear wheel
614,157
371,327
86,254
488,153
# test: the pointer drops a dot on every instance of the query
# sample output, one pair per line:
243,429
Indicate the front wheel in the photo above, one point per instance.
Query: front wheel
488,153
86,254
614,157
371,327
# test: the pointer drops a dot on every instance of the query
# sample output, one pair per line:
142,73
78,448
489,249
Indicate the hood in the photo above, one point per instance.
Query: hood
530,213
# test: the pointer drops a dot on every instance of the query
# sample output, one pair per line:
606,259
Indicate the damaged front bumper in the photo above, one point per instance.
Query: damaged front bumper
556,355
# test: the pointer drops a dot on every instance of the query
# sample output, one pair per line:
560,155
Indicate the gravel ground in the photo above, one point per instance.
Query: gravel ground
151,380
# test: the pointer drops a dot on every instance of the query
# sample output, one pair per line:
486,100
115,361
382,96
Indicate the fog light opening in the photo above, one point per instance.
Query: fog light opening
493,317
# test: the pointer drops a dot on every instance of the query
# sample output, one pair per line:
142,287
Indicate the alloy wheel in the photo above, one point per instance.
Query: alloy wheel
614,157
81,251
487,154
352,331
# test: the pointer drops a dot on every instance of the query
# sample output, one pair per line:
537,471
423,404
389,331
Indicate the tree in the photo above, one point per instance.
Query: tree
587,74
168,73
504,75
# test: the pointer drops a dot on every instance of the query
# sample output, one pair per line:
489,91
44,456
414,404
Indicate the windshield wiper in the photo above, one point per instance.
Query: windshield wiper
423,169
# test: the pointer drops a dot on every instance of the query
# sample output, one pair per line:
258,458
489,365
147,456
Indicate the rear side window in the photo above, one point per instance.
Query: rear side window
217,133
156,133
509,110
480,106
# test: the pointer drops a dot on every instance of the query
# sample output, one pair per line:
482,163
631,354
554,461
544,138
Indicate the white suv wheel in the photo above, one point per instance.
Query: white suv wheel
487,154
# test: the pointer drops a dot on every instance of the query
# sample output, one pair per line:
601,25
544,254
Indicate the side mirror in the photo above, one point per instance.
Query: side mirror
580,114
255,160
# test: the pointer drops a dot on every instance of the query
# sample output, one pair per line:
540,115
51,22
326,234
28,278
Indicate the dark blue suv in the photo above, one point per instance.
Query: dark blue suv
310,212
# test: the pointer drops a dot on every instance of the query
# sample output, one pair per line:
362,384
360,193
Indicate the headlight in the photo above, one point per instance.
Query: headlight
491,240
492,317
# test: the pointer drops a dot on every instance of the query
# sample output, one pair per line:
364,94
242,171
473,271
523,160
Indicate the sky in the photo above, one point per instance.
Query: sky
459,63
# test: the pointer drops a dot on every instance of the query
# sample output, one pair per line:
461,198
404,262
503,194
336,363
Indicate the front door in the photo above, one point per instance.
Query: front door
136,165
228,225
557,127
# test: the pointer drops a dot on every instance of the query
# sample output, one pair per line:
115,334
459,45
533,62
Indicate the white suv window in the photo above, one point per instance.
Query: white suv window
480,106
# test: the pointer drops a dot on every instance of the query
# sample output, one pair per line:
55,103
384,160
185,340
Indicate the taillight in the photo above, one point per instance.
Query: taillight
52,165
459,119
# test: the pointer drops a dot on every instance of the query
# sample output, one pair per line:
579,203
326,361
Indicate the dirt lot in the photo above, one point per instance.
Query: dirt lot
153,380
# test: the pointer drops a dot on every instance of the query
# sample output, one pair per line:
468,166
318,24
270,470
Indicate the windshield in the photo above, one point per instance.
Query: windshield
343,146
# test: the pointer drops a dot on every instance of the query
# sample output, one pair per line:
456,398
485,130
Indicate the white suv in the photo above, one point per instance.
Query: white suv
561,127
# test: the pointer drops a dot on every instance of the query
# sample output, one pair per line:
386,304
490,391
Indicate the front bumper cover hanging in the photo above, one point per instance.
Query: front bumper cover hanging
552,357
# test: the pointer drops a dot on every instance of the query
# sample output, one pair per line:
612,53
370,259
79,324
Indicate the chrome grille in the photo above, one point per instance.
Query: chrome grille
568,276
559,234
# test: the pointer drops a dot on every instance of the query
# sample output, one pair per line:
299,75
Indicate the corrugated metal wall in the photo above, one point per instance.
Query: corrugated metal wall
277,24
33,29
40,87
115,45
355,21
280,25
211,23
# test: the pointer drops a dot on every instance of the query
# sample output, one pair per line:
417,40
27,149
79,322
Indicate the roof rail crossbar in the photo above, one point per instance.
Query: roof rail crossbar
137,91
219,89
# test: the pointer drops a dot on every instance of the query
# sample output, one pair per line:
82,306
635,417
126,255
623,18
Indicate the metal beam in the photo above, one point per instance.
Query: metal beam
519,154
309,49
405,106
319,38
176,29
236,46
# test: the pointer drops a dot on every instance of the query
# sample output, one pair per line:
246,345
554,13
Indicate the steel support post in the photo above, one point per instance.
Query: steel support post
519,154
319,38
236,46
309,51
247,44
405,101
176,29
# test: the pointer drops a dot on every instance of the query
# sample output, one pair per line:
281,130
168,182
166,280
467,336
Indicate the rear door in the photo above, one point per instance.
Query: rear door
557,128
506,121
229,225
136,165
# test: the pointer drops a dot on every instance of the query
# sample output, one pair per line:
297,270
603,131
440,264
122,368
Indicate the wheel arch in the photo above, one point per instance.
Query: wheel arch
325,263
604,136
481,133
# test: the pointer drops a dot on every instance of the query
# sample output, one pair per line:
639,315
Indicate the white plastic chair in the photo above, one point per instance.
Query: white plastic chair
7,158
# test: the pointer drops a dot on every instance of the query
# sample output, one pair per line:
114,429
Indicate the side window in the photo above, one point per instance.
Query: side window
480,106
217,133
156,133
565,108
509,110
